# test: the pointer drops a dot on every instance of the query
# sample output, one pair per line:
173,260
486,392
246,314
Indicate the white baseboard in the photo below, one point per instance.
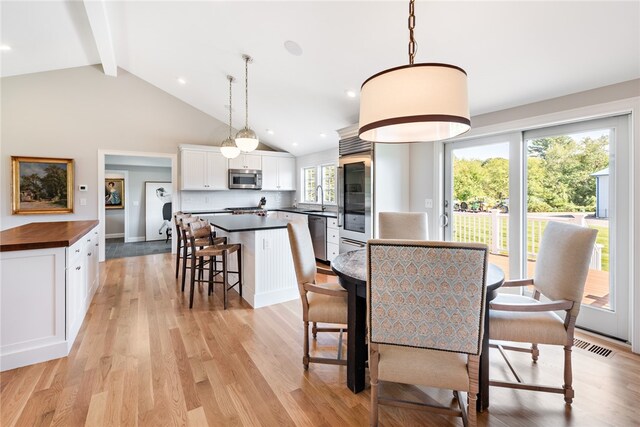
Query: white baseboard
34,355
114,236
135,239
269,298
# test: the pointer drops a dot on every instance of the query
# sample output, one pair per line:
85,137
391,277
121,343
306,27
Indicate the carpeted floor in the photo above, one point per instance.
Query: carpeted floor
117,248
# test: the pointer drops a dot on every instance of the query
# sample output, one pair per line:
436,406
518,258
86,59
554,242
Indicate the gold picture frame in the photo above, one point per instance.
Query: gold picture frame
114,193
41,185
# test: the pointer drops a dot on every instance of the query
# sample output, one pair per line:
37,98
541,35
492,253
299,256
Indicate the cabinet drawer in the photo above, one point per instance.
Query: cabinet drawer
332,236
332,223
332,251
75,250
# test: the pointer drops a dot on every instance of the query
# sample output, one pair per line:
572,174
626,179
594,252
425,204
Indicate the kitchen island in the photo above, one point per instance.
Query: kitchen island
49,273
267,265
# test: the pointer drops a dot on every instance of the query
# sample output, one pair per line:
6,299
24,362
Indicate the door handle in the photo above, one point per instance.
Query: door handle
444,220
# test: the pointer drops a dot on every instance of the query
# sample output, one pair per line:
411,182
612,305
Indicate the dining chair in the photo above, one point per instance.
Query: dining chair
425,311
560,273
321,302
403,225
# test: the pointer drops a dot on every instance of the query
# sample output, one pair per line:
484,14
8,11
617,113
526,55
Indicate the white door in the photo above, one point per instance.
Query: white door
576,173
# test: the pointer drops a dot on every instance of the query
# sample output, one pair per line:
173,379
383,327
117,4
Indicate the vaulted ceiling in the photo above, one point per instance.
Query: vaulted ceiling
514,52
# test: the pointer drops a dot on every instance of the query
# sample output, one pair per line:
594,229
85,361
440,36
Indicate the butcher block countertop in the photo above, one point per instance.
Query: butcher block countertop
43,235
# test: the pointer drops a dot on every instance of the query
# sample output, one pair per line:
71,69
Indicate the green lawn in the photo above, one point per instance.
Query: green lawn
479,230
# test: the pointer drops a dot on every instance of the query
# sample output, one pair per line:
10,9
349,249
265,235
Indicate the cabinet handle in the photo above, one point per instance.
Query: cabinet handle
77,250
88,240
78,267
96,244
89,254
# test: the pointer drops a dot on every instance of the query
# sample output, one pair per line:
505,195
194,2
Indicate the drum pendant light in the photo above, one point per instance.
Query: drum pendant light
246,139
228,148
415,102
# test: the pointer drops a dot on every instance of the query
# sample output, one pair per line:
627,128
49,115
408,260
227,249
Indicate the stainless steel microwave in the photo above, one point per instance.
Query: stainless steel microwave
245,179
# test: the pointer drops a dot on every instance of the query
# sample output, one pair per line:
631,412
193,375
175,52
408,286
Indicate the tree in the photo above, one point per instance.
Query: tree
469,177
54,183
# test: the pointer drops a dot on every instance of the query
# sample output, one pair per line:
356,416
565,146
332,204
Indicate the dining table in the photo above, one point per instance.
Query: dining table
351,269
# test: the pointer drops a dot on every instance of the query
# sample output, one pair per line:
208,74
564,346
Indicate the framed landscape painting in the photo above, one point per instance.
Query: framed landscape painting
42,185
114,193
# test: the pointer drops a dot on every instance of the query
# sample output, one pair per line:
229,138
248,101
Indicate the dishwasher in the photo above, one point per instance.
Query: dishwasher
318,230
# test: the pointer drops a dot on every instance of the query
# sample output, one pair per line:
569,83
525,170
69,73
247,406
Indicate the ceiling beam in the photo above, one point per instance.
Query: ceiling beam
97,14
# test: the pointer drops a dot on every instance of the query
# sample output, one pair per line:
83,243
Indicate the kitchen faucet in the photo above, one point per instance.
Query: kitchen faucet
321,196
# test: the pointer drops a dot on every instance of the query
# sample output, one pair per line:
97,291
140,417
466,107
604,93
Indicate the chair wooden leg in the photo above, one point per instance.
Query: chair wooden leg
305,357
568,376
473,364
184,265
193,281
239,255
225,276
178,250
535,352
373,370
314,330
211,261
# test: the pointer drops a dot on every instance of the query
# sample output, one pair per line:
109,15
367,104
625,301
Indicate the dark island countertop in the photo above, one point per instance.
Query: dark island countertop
44,235
237,223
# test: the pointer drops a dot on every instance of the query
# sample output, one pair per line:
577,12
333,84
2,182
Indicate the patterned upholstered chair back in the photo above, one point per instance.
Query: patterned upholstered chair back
427,294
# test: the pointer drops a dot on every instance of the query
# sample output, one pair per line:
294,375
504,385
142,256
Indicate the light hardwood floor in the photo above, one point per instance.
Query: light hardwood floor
143,358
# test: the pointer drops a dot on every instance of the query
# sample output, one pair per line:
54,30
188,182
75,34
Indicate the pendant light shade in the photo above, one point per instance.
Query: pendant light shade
228,148
415,102
246,139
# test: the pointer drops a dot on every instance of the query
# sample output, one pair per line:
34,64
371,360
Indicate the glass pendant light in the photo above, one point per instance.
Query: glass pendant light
246,139
228,148
415,102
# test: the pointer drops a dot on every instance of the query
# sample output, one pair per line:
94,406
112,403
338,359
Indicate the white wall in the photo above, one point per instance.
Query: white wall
135,198
392,184
72,113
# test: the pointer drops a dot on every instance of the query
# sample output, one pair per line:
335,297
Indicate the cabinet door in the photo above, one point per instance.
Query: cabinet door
76,292
286,173
237,163
92,268
193,170
217,172
270,173
253,161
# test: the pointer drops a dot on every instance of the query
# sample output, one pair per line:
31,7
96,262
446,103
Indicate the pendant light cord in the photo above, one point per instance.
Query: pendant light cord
246,91
412,25
230,105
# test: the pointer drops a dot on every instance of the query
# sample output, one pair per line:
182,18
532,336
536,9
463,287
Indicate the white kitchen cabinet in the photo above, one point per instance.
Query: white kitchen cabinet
246,161
203,170
290,216
44,297
278,173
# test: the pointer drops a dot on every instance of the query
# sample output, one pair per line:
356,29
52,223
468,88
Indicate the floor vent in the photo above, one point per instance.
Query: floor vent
592,348
581,344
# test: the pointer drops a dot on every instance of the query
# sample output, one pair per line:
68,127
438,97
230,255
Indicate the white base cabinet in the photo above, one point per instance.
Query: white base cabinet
44,296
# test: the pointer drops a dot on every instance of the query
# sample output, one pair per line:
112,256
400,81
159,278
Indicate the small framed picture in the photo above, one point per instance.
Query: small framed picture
114,193
41,185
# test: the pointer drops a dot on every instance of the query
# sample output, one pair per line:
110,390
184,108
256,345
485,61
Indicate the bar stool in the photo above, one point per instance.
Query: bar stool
212,252
204,237
177,219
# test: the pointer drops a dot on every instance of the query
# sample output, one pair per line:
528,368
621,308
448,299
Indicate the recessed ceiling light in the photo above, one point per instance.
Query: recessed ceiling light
270,131
5,47
350,93
322,135
293,48
182,81
295,144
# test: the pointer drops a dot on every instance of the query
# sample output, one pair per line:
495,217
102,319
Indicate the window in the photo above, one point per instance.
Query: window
310,194
324,175
329,183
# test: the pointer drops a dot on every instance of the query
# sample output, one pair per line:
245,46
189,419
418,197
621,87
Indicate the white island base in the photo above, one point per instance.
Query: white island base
267,264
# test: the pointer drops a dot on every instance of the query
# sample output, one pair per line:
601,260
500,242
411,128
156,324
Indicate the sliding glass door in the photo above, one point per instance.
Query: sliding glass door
504,190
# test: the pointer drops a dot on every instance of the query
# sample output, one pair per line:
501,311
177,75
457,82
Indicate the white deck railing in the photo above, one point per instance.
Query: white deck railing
492,229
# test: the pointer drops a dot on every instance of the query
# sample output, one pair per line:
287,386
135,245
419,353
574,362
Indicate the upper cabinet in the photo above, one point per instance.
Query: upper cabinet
203,170
278,173
246,161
